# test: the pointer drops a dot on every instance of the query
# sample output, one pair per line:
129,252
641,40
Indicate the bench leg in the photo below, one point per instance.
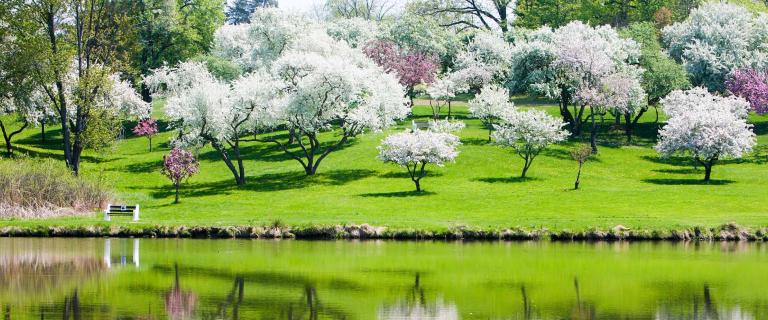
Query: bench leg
106,215
136,213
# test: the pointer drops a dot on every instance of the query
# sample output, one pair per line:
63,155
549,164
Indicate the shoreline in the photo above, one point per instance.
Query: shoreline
726,232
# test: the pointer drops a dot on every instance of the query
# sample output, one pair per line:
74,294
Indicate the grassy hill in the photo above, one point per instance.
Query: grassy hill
625,184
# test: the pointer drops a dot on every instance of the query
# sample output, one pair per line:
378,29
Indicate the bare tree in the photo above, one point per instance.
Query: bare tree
479,14
366,9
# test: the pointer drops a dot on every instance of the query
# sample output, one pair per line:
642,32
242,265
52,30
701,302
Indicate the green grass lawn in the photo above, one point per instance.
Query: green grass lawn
624,184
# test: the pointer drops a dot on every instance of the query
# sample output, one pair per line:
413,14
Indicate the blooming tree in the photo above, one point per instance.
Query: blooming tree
146,128
489,105
528,133
716,39
412,68
178,166
486,59
751,85
705,127
355,31
207,110
570,63
441,93
415,149
581,153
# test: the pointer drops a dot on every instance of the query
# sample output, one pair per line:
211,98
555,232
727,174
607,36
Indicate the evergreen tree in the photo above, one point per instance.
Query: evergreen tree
240,11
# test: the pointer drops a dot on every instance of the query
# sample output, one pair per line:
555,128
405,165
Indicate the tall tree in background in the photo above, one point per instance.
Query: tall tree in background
71,45
241,10
167,32
365,9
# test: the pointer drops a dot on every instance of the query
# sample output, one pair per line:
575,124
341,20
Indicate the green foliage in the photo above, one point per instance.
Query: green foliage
169,31
662,73
219,67
556,13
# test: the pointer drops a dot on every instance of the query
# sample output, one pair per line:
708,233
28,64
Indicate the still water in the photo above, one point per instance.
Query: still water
258,279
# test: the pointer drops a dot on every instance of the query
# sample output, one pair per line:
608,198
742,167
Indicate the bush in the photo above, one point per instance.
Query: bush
46,188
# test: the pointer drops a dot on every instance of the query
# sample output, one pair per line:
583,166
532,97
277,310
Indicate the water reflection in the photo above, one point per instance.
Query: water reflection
416,306
187,279
179,304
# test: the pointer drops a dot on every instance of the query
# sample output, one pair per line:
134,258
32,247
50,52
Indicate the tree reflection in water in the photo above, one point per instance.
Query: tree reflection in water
179,304
415,306
703,307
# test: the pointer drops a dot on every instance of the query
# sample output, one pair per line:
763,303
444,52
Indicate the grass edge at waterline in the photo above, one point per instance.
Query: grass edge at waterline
725,232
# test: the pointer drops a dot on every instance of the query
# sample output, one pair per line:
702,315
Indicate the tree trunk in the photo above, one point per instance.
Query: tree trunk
150,143
449,108
578,178
628,127
593,133
177,193
42,132
418,185
707,171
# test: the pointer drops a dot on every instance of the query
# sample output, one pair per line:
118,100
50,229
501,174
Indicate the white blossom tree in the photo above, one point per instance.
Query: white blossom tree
568,63
339,90
486,59
206,110
441,92
619,93
489,105
528,133
355,31
705,127
716,39
416,148
297,78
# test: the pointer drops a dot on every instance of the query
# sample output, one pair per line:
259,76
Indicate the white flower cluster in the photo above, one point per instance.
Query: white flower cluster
529,132
419,147
491,103
487,59
356,32
704,126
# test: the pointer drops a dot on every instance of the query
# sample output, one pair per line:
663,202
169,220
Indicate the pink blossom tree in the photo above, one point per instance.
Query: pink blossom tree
178,166
752,85
146,128
412,68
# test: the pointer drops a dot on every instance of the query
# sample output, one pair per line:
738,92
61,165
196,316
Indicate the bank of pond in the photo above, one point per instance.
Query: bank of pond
277,230
109,278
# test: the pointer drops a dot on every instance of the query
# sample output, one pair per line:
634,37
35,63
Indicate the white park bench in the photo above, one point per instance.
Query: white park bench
121,210
418,125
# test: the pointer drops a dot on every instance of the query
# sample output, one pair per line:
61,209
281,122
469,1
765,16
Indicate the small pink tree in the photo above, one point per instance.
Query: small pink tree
411,68
178,166
146,128
752,85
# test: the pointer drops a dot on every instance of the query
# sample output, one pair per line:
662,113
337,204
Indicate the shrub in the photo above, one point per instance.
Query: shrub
45,188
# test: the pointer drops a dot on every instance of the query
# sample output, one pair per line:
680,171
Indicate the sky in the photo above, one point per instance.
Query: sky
298,5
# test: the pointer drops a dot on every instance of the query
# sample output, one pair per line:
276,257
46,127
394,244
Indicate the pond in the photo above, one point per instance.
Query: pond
259,279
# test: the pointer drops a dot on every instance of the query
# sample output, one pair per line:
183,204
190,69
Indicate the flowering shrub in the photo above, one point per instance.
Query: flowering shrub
751,85
489,105
411,68
528,133
178,166
146,128
415,149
